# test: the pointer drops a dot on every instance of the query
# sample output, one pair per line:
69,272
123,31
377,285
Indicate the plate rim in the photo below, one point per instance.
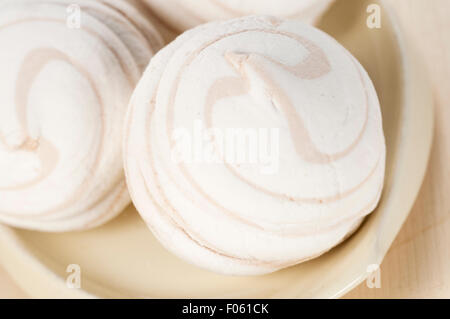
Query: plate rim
411,64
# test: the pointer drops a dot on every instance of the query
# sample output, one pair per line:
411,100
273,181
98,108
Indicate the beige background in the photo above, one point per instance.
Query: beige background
418,263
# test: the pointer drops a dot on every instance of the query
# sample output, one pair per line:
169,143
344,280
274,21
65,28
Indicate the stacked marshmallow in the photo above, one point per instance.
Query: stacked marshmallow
64,89
250,73
185,14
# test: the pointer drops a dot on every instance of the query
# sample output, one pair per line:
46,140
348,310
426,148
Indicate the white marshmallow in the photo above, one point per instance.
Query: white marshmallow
255,72
185,14
64,89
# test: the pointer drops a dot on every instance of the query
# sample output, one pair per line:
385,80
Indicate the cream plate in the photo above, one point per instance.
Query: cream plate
123,259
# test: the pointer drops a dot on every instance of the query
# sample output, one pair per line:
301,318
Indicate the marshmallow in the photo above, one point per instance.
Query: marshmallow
185,14
311,118
68,72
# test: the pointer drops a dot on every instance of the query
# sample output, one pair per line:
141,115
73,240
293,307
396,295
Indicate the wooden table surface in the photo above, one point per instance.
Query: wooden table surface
418,263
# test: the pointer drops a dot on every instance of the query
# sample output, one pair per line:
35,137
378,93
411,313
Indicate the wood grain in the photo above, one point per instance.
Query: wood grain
418,263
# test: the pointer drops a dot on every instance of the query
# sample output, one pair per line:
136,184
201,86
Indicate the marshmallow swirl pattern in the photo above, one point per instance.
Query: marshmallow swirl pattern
251,73
190,13
64,91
